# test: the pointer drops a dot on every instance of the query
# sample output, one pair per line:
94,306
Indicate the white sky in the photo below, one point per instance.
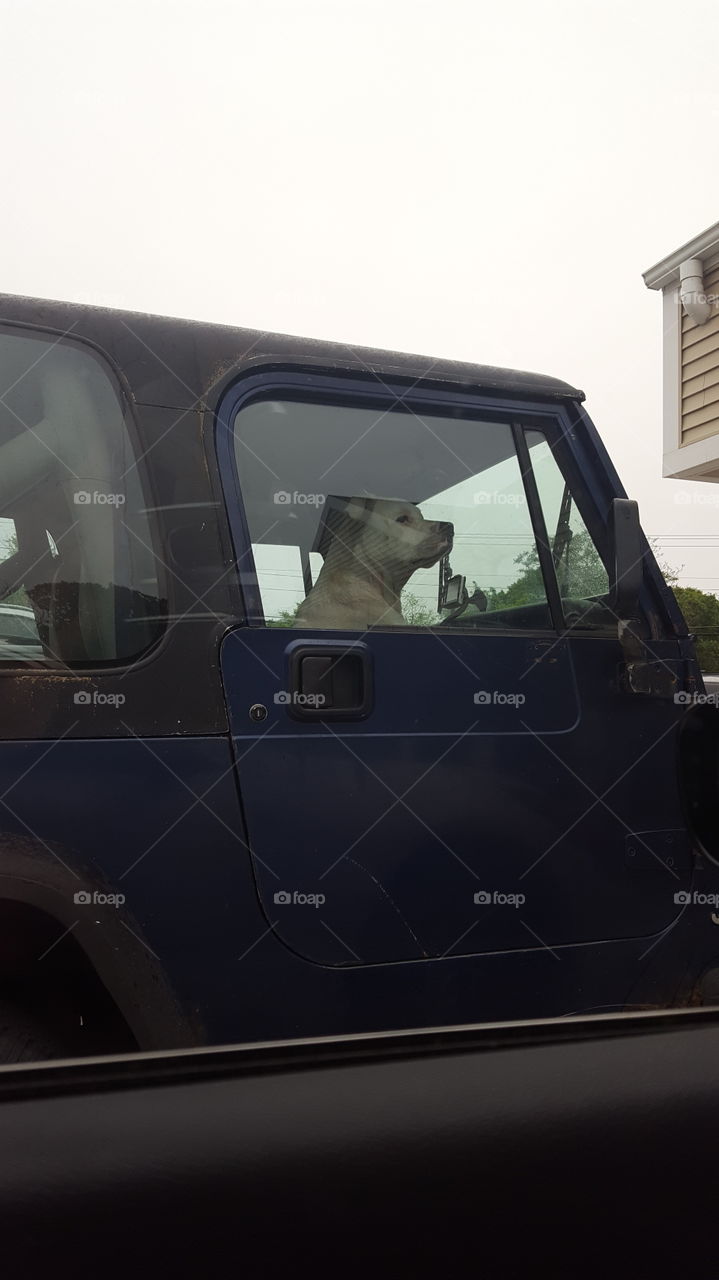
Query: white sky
465,179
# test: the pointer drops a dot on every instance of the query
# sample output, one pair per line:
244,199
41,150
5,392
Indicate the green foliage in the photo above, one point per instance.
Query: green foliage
285,618
18,597
529,586
416,613
701,611
669,574
581,575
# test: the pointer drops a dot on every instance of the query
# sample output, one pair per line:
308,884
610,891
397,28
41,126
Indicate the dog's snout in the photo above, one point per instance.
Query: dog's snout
445,527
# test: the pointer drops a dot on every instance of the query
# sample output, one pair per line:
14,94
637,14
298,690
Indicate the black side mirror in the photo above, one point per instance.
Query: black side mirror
626,565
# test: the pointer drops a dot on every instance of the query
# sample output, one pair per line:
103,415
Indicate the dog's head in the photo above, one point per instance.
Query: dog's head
387,535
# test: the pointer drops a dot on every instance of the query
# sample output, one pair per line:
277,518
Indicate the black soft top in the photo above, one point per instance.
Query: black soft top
178,363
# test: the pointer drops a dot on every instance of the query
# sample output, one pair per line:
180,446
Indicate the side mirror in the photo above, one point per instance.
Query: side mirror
626,569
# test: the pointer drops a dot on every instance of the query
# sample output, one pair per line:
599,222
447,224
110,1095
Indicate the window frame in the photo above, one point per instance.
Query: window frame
56,339
596,527
353,389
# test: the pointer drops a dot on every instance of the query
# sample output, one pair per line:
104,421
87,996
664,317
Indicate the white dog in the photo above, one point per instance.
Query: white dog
372,546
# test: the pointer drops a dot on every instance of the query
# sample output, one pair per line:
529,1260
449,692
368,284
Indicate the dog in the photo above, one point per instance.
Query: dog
371,547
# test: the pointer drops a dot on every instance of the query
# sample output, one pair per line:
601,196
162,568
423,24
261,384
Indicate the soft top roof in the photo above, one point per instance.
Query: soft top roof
177,363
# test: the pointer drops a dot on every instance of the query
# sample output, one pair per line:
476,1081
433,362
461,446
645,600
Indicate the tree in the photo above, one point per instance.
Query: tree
416,614
701,611
669,574
581,574
285,618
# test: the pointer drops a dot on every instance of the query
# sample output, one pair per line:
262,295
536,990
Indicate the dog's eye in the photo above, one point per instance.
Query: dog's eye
402,520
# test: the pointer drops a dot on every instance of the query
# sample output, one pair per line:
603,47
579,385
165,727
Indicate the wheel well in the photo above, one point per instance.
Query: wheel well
46,972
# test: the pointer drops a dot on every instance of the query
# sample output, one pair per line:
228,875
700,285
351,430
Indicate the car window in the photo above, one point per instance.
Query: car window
76,544
18,625
352,511
581,573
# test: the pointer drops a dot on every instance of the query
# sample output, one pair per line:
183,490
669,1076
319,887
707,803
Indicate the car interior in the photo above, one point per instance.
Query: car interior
69,491
570,1148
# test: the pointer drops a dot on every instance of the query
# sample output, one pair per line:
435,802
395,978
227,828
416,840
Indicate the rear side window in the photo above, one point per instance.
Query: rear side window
78,570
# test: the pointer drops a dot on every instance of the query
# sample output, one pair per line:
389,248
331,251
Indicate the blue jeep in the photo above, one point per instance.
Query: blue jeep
239,800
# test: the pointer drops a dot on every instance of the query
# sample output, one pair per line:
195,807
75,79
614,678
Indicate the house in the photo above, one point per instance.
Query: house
689,282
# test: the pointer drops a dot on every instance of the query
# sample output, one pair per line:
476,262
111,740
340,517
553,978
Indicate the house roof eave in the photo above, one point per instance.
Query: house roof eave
666,272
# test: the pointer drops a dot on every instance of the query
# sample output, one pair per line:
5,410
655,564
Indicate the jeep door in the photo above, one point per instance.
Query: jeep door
471,784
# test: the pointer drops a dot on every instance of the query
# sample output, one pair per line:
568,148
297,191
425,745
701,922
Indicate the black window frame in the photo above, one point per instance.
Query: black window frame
61,338
352,391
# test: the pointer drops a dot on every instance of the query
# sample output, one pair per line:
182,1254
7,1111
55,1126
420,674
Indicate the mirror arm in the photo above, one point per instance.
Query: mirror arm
639,673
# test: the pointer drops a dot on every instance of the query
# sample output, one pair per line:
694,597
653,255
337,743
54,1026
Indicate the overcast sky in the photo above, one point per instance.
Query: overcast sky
464,179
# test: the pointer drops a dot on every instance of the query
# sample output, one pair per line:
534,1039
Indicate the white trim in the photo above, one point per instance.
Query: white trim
711,262
671,362
698,461
667,271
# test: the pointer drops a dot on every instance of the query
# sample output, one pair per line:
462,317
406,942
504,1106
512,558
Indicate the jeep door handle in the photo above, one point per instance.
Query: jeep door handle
330,681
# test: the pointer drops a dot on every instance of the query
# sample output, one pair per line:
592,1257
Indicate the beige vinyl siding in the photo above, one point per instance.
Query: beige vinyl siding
700,368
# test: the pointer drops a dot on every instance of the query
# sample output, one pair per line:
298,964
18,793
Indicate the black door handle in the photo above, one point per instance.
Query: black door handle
329,681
